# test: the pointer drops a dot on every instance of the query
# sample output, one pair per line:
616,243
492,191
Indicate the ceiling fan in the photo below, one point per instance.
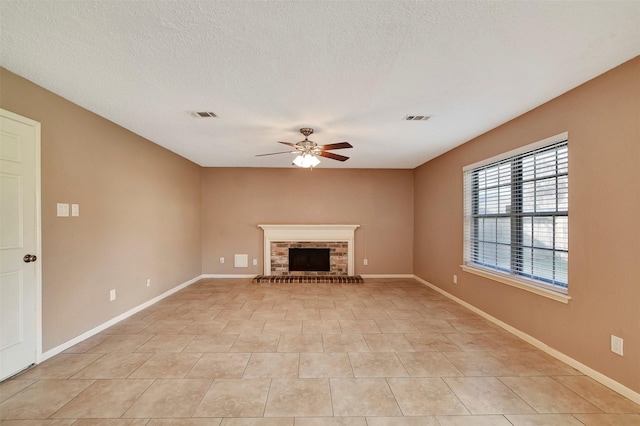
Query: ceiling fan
308,151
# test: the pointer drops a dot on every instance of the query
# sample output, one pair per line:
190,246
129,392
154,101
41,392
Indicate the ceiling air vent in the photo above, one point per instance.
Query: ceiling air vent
416,117
203,114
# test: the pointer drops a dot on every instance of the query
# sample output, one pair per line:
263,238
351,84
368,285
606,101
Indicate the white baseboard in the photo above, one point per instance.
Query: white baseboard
588,371
63,347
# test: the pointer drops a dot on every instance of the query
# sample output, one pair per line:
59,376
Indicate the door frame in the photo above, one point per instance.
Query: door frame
38,227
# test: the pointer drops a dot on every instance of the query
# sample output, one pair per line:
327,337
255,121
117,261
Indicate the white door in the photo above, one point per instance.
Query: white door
19,243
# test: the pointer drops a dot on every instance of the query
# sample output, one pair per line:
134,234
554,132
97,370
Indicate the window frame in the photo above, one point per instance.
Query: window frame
510,275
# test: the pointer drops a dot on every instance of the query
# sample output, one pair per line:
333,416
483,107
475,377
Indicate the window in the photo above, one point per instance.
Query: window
516,214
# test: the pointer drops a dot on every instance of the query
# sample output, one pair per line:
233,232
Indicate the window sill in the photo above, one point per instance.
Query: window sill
521,284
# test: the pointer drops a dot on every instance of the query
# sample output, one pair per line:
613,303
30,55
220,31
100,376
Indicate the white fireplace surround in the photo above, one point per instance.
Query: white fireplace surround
329,233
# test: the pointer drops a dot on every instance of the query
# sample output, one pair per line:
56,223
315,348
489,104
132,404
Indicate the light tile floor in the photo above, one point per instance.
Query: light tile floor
231,352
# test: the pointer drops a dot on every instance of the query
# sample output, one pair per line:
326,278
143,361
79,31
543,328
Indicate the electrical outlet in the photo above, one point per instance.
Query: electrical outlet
365,262
255,262
455,279
148,282
617,344
112,295
222,260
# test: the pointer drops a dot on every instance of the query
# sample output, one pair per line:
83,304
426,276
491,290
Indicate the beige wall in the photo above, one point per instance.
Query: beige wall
140,213
603,121
236,200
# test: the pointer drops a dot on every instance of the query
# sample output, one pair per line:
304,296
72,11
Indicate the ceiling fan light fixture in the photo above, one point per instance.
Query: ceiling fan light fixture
306,161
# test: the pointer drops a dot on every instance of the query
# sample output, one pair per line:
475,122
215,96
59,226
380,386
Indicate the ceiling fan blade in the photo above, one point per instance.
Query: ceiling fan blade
333,156
339,145
288,143
276,153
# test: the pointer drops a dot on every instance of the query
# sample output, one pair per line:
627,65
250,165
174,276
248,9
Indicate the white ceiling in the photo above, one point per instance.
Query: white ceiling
350,69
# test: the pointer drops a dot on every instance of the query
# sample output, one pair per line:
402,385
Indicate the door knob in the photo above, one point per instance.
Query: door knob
29,258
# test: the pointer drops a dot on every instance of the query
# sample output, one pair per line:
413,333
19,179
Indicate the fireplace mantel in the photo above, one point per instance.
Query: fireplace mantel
273,233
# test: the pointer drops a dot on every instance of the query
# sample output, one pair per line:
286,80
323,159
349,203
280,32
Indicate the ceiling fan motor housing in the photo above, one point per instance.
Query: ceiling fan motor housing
306,146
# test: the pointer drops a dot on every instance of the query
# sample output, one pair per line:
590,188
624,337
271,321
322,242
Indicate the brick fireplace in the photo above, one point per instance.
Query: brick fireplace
338,257
279,238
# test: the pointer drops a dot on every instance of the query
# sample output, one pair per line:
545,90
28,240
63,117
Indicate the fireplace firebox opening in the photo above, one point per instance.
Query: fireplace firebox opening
309,259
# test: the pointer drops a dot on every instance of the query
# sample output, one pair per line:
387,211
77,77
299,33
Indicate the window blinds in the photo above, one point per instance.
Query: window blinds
516,215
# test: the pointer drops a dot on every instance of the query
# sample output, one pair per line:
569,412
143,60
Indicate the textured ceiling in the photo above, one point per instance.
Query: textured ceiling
350,69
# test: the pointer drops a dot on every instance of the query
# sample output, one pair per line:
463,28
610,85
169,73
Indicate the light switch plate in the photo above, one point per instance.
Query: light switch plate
617,344
75,209
63,209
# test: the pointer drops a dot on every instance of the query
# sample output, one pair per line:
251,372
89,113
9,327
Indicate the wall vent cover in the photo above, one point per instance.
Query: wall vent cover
202,114
416,117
